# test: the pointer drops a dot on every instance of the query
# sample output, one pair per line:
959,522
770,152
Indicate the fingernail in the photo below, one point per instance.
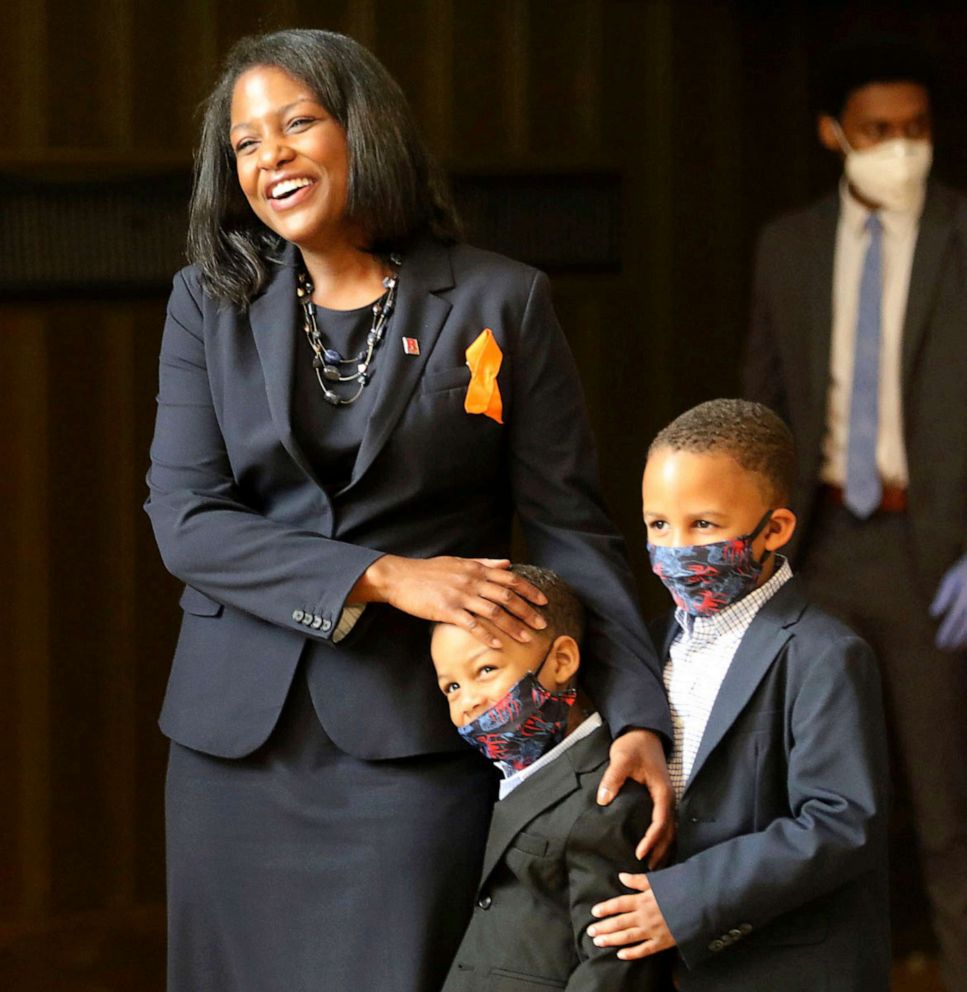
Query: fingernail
624,875
599,941
622,955
591,930
541,623
524,636
603,794
494,643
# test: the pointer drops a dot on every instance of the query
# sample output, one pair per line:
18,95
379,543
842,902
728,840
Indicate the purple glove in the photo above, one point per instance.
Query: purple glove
951,603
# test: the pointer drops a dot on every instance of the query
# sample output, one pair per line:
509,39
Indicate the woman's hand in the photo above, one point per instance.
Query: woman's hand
634,919
461,591
639,754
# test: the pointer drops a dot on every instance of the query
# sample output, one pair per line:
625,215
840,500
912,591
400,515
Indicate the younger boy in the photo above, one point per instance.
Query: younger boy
779,761
552,851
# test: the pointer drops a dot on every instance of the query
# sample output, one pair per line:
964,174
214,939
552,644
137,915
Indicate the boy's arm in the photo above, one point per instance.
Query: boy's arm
836,783
602,844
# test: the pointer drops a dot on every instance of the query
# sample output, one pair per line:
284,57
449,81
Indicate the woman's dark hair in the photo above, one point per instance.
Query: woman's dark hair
396,192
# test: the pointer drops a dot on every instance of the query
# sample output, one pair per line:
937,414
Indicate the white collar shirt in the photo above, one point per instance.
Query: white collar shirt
699,659
899,239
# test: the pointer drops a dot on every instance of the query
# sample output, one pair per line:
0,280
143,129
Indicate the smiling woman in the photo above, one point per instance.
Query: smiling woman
323,486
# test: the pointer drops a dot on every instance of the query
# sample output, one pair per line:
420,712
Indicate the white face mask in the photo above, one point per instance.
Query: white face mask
891,174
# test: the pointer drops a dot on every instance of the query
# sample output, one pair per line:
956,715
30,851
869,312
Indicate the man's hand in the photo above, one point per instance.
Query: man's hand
638,754
951,603
632,919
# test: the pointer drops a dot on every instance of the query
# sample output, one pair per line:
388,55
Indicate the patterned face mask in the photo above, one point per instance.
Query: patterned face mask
523,724
705,578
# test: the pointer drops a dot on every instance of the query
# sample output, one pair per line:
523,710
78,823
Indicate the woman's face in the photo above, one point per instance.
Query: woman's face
292,159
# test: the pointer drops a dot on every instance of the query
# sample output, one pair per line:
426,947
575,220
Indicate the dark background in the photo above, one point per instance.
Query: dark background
632,148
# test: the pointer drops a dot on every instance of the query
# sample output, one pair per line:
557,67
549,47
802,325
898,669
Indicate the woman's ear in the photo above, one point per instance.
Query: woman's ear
563,661
780,528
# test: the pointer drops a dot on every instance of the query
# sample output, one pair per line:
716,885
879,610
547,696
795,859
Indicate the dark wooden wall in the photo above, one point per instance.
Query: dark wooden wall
698,110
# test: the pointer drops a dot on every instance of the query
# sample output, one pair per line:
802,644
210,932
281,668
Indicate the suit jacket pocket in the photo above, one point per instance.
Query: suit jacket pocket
198,604
437,380
512,981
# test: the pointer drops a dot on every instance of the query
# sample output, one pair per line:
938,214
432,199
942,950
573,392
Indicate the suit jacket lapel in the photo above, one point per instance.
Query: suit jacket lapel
275,321
532,797
759,648
419,314
821,253
935,231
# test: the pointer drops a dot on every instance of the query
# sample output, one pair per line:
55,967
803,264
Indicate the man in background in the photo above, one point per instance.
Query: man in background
859,339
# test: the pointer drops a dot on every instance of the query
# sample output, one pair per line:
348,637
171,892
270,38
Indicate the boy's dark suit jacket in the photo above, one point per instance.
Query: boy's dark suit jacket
551,855
268,556
780,883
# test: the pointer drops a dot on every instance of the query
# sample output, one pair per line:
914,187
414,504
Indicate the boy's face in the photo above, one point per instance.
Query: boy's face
693,498
473,676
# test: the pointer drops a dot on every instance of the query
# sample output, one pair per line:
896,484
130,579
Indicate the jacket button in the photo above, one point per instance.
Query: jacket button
745,928
316,623
485,902
735,934
693,819
716,946
307,619
326,624
297,615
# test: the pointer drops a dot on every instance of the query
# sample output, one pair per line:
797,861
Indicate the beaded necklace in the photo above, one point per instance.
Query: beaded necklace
330,366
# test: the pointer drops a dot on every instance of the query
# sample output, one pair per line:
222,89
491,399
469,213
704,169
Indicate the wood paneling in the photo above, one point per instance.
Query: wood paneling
701,111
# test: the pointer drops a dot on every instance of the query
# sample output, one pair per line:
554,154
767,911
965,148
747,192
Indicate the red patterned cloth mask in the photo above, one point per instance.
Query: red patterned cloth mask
522,725
705,578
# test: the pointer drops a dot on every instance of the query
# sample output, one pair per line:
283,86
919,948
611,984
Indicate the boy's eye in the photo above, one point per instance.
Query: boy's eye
703,524
657,525
450,687
486,669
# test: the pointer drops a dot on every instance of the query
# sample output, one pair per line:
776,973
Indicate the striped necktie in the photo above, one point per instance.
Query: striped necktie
863,488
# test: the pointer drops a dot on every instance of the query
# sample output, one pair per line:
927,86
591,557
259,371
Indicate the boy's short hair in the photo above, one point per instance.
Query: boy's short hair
563,612
751,433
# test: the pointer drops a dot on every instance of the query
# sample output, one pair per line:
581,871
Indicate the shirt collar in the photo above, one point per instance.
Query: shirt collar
896,222
737,614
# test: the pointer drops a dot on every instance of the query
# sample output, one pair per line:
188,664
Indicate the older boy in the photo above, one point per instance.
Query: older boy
779,762
552,851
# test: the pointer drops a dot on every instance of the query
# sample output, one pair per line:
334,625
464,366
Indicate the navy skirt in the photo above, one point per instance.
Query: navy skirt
302,868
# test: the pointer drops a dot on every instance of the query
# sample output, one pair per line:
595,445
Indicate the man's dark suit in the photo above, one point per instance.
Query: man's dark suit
780,881
268,557
551,855
881,574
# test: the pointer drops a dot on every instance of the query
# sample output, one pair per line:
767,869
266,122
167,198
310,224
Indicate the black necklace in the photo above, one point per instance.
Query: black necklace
328,364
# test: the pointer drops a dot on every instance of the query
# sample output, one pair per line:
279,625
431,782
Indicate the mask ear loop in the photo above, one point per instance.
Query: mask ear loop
759,528
844,145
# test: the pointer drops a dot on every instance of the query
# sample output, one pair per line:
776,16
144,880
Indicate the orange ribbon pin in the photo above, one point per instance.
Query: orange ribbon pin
483,394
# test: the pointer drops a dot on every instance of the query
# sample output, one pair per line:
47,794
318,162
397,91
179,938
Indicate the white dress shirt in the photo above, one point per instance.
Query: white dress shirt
900,229
699,659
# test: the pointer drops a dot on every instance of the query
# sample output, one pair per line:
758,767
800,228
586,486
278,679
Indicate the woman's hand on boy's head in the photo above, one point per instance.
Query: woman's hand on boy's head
639,755
632,919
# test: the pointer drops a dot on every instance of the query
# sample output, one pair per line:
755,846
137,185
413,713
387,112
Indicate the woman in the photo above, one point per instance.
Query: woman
321,488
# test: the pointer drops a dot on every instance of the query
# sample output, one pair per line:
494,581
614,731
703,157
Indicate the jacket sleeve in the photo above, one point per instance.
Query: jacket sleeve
835,830
207,536
762,378
601,844
554,477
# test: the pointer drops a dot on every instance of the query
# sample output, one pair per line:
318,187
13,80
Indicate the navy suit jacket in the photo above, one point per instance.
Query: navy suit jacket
268,557
780,880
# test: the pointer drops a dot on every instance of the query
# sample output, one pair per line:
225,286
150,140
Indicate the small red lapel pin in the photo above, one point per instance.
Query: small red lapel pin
411,346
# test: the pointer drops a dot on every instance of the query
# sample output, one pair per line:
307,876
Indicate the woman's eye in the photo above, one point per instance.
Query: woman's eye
300,122
486,669
244,145
703,524
450,687
657,525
